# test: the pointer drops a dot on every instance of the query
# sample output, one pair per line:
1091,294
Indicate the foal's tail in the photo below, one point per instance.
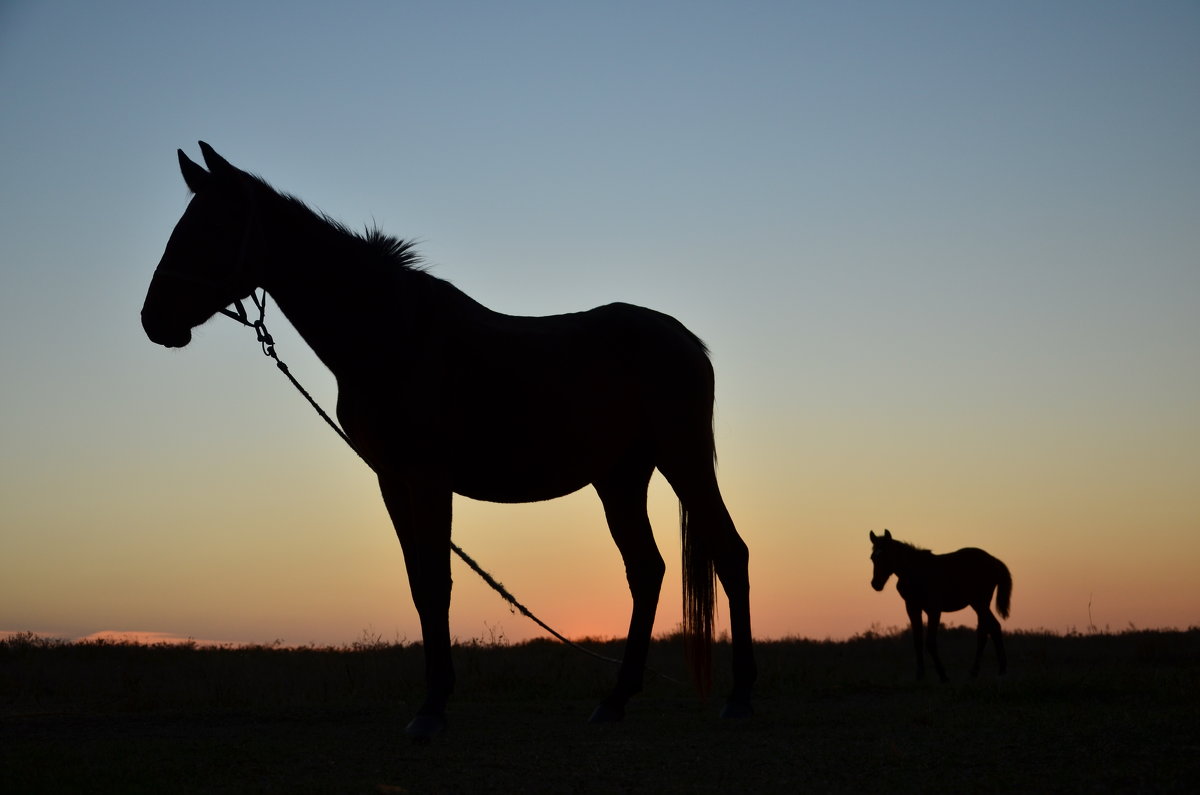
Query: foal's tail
699,588
1004,589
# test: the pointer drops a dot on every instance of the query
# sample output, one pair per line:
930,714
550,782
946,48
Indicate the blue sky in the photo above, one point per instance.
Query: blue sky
945,255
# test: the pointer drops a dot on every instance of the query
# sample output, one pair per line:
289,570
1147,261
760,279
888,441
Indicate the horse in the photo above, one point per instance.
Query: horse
935,584
441,395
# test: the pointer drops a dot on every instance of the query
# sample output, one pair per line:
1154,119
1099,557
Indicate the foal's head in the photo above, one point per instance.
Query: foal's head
208,261
883,556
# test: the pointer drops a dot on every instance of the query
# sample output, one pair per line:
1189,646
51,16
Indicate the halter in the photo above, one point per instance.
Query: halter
238,313
241,267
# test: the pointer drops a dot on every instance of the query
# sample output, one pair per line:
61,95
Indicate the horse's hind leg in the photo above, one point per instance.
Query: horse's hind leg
696,486
731,558
998,640
981,635
623,495
988,625
935,618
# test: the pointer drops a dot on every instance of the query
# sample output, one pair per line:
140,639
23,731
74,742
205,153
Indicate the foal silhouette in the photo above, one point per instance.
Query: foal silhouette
936,584
442,396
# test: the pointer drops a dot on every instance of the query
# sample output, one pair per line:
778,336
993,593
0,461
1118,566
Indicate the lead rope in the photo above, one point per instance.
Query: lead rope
268,348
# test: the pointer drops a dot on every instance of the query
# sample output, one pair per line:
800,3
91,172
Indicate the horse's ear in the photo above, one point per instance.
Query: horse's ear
195,177
873,536
216,164
887,534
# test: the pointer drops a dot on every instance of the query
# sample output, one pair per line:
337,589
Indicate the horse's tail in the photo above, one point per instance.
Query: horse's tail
699,586
689,465
1004,589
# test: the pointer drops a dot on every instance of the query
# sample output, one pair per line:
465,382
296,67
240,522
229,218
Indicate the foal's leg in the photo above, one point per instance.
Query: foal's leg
988,625
623,495
935,617
915,620
421,517
982,630
998,640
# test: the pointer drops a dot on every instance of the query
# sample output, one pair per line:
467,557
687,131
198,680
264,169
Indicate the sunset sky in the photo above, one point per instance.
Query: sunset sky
946,256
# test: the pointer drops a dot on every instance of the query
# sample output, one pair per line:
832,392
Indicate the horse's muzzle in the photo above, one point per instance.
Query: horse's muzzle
162,334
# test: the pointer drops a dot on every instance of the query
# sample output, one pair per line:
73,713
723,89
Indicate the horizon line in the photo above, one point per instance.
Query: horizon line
150,639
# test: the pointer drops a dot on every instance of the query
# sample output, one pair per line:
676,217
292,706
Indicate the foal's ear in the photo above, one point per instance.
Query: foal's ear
196,178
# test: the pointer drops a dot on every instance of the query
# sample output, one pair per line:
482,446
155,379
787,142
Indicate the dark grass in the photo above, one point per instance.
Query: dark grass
1077,713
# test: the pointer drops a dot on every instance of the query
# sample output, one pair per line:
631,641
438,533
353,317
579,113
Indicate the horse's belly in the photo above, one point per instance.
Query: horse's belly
529,456
515,485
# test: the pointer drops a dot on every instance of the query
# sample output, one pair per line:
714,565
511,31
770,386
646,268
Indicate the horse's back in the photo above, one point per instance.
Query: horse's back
975,557
971,574
643,320
536,407
632,349
972,555
646,333
629,330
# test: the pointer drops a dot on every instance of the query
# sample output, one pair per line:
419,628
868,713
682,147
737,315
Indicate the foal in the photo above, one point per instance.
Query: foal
934,584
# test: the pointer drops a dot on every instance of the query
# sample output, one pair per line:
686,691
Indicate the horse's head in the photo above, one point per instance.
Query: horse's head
207,263
882,558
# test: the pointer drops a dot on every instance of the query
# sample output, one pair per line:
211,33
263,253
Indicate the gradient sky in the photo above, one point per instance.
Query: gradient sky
946,256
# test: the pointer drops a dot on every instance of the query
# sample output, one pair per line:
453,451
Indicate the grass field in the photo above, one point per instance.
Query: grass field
1093,712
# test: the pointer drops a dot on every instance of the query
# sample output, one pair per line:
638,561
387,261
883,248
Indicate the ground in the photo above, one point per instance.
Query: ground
1097,712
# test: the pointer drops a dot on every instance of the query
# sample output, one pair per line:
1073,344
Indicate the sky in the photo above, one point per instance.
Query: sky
946,257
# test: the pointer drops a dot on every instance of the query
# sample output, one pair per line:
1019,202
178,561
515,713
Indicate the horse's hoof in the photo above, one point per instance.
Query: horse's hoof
422,728
737,708
606,713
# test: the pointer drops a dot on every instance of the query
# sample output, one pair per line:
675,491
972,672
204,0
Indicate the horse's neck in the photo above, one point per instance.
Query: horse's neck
913,564
348,299
320,279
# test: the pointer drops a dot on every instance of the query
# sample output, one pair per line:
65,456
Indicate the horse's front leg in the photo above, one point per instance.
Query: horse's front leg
421,516
914,619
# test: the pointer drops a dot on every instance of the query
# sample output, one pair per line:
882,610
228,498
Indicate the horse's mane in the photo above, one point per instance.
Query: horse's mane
401,252
394,250
910,547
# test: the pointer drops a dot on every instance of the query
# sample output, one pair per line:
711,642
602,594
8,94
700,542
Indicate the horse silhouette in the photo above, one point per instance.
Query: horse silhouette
936,584
441,396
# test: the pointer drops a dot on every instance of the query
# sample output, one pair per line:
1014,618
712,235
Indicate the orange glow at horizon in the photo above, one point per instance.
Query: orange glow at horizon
327,568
